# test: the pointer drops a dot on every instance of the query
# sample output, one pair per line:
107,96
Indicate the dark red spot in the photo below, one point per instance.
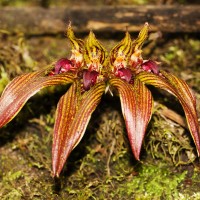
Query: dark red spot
150,66
63,65
124,73
89,78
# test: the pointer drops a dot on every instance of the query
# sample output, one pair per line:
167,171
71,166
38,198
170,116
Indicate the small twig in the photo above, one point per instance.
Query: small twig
172,115
109,157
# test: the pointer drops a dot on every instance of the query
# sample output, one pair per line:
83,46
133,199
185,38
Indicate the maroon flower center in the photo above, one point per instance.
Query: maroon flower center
150,66
63,65
89,78
124,74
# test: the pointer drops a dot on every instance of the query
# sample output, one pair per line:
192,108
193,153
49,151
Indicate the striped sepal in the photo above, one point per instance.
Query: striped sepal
181,90
77,44
188,101
136,102
122,51
72,116
95,53
22,88
143,35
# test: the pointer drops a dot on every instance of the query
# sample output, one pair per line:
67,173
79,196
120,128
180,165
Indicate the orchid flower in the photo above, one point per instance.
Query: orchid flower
91,71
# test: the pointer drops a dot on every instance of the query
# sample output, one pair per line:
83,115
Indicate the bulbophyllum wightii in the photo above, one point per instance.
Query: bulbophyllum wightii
92,71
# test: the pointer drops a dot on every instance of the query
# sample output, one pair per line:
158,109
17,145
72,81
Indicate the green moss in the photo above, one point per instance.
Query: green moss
154,182
4,79
182,57
168,141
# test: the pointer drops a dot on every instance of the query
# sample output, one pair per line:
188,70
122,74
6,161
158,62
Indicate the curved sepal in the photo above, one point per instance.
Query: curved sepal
136,103
77,44
95,53
181,90
65,112
77,48
121,53
72,117
143,35
136,58
22,88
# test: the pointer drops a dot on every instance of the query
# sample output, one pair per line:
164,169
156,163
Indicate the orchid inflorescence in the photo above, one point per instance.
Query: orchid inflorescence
92,71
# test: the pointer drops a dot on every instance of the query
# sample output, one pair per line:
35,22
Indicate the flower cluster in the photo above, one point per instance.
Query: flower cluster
92,71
